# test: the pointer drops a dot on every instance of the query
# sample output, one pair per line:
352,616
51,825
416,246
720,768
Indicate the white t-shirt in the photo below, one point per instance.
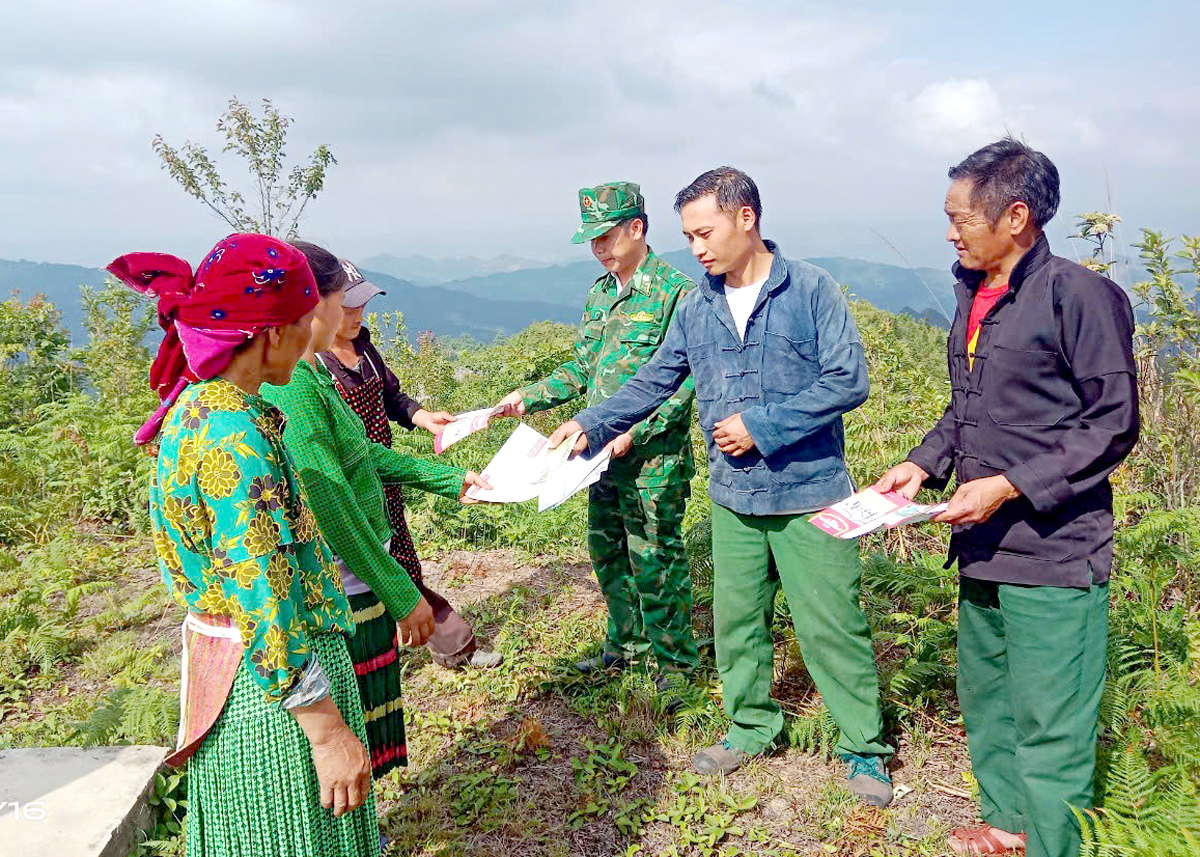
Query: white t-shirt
741,302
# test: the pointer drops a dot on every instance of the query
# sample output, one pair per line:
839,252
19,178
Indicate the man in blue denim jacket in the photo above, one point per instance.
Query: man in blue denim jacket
776,360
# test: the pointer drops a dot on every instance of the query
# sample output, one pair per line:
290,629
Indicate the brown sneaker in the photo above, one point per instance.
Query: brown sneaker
723,758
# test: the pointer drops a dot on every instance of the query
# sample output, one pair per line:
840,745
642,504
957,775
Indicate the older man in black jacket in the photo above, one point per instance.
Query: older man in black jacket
1043,408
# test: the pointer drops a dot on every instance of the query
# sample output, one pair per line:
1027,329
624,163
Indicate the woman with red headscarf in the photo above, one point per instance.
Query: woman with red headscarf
270,714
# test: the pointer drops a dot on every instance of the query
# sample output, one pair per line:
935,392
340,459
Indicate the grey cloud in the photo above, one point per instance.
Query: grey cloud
466,127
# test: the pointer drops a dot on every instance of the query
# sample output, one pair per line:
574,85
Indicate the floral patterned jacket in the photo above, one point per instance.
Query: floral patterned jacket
234,535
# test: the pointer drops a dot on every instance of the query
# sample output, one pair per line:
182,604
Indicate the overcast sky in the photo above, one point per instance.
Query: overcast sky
466,128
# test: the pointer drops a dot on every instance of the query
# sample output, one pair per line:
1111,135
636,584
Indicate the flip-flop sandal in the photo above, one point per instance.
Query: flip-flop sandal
980,840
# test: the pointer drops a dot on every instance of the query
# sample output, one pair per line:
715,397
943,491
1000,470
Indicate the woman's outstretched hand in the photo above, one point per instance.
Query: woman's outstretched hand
472,480
432,421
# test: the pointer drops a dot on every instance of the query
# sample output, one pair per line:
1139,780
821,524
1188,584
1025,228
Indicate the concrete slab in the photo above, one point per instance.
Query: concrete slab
73,801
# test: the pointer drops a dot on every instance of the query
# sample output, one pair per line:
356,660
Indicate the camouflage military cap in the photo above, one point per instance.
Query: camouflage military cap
604,206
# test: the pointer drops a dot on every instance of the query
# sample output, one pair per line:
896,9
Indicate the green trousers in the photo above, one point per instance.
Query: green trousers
820,575
1031,665
635,536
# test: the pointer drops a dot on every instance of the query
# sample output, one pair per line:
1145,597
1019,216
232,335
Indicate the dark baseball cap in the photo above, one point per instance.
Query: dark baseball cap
360,290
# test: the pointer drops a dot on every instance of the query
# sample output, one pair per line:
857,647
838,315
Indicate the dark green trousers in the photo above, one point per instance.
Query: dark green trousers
752,556
635,537
1031,663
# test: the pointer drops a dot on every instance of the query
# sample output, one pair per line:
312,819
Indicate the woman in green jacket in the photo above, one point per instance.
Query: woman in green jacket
343,474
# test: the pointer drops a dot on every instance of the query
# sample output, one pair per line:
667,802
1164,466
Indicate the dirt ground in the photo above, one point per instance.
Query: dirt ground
531,759
474,787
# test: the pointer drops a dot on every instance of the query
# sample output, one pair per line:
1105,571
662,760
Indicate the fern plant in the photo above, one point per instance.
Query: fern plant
1147,813
39,611
1148,771
813,731
131,715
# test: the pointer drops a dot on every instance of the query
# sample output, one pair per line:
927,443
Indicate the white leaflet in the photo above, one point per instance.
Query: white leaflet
868,511
526,467
464,424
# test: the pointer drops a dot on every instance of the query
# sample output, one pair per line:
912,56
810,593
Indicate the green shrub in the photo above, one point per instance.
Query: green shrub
34,368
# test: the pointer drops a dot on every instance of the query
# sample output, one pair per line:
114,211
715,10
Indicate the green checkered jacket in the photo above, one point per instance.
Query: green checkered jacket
343,474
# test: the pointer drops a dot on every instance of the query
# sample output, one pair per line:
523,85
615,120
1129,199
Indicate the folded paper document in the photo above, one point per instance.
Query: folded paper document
869,510
574,475
464,424
526,467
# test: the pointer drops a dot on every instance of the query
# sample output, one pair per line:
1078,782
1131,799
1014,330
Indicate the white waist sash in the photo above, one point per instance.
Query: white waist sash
350,581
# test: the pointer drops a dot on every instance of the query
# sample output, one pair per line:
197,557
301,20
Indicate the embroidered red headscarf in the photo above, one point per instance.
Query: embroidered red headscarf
246,284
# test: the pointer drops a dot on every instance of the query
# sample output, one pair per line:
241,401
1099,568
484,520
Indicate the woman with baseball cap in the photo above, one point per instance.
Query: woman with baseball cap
344,473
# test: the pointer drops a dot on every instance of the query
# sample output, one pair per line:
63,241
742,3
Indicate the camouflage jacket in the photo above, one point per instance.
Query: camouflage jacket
618,334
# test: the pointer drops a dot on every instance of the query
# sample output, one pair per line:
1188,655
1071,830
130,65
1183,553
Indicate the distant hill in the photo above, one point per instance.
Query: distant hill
888,287
508,301
59,283
929,316
425,271
447,312
895,289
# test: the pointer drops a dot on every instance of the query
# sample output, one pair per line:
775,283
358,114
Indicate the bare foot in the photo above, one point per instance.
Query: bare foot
985,839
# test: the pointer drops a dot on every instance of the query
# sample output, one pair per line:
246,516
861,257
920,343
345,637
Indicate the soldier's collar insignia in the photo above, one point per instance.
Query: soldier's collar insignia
642,316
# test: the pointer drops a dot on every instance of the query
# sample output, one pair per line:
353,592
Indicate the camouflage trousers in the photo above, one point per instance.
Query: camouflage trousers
635,536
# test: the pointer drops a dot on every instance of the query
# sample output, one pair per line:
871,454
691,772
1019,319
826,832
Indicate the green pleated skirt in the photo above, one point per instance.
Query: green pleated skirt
374,653
252,787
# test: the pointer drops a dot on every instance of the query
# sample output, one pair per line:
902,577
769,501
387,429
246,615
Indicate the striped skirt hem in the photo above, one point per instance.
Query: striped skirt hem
376,666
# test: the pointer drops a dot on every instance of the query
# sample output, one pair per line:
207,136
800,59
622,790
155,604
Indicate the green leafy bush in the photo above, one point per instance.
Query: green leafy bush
34,368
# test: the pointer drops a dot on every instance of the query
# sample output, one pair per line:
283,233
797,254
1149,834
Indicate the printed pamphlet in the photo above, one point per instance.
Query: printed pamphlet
526,467
869,510
464,424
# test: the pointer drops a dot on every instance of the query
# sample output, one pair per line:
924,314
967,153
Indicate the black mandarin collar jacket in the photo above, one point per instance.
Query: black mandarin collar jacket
1052,404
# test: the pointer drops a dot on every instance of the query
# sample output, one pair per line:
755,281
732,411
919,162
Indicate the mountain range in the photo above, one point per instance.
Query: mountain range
502,297
927,292
60,284
429,272
446,312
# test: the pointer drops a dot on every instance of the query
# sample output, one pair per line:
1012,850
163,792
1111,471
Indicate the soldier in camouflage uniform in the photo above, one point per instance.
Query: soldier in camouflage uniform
635,512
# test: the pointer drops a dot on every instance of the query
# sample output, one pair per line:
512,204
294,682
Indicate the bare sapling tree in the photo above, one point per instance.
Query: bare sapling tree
278,196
